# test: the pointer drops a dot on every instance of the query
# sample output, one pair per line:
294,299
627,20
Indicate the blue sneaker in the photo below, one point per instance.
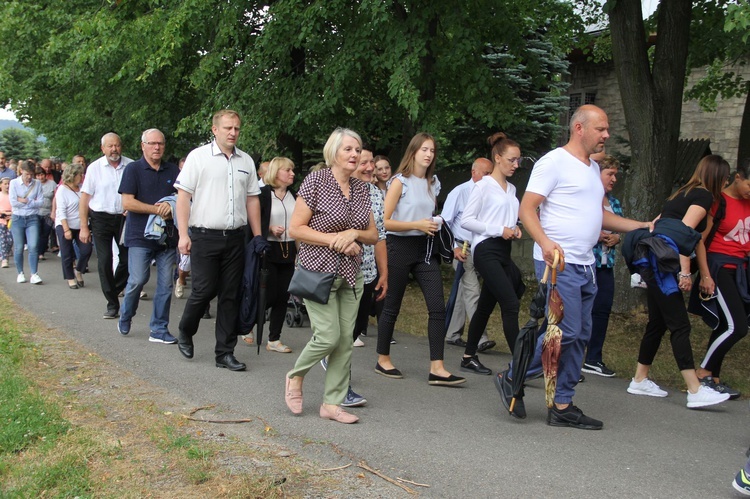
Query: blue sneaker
353,399
123,327
324,363
162,338
742,483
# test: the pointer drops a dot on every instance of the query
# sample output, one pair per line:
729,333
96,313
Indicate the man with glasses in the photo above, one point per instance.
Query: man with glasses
144,185
101,204
6,172
465,290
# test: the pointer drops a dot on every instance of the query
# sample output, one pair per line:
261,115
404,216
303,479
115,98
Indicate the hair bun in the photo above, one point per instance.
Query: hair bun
495,138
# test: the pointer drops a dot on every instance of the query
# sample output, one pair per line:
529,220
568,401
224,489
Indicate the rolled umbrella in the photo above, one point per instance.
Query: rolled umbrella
553,335
523,352
261,317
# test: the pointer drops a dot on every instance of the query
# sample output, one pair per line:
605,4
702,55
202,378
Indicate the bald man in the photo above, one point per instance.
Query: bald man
566,187
465,290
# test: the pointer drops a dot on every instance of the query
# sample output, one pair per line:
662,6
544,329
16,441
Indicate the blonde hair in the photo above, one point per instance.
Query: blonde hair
276,164
333,144
224,112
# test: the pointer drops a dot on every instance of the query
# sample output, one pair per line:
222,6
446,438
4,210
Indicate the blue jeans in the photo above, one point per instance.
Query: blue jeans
25,230
577,287
139,266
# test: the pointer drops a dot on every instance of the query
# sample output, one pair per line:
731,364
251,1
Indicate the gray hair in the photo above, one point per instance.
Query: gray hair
334,143
146,132
109,135
71,171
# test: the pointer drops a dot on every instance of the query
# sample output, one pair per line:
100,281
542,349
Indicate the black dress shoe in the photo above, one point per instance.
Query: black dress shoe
472,365
185,346
435,380
486,346
228,361
457,342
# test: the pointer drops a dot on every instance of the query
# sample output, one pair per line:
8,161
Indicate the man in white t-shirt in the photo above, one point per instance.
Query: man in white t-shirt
566,188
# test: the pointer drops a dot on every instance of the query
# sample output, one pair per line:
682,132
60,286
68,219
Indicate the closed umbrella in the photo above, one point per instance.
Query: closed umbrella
523,351
553,335
261,317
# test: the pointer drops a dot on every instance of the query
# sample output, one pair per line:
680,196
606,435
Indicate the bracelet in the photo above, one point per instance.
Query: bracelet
683,276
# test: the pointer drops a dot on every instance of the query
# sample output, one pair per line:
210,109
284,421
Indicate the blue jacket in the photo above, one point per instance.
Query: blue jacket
657,254
156,227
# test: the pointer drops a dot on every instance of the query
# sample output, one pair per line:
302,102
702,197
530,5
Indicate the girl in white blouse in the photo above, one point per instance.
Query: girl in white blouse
491,214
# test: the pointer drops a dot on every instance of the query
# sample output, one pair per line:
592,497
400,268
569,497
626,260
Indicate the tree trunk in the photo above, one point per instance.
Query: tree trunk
652,102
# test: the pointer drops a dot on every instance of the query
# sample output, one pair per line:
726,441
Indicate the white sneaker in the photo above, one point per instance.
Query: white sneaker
21,278
705,396
35,279
179,289
646,387
359,343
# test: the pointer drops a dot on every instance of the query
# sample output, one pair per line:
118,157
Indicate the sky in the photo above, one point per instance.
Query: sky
5,114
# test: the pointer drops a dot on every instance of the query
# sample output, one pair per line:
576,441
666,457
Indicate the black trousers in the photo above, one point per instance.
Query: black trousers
666,312
366,306
277,296
217,263
408,255
733,323
502,284
106,228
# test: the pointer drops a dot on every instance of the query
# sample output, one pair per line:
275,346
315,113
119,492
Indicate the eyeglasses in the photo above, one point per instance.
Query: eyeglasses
154,143
514,160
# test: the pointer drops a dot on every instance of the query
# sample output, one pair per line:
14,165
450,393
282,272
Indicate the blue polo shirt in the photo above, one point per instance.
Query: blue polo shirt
147,186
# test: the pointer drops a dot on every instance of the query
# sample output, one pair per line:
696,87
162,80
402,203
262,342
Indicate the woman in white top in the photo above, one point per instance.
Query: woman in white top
409,204
491,214
68,226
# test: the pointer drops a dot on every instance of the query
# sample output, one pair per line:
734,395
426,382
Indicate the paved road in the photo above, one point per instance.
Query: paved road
458,440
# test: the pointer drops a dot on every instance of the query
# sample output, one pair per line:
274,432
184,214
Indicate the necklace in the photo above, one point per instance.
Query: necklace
284,245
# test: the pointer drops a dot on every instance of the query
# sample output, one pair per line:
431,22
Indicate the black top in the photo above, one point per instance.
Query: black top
677,207
147,186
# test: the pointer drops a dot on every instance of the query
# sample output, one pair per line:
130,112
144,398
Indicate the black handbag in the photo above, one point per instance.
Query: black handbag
311,285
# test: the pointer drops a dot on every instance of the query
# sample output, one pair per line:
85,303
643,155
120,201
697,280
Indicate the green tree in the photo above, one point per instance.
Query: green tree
14,143
295,69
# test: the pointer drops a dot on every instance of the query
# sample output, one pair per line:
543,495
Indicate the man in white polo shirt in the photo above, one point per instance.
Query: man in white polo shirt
101,205
222,183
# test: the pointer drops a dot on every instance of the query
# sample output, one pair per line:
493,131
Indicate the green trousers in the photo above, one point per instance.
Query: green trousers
332,325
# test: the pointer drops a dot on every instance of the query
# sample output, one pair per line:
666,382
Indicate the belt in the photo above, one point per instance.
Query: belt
460,242
218,232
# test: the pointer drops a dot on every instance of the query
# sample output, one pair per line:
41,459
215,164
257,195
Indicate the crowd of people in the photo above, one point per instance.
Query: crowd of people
372,230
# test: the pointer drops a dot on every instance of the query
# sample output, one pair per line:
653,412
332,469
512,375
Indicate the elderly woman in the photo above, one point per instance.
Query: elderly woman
26,197
604,253
6,240
68,226
276,207
332,219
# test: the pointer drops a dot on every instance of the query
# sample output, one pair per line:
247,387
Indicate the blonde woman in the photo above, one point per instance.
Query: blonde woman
332,219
